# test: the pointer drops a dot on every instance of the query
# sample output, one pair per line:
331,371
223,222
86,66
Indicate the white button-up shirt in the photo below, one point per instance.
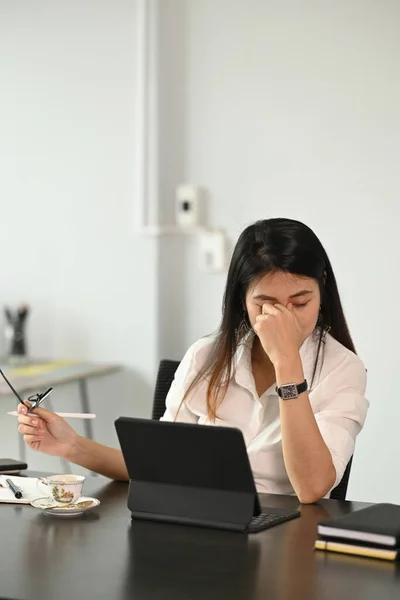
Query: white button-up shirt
337,400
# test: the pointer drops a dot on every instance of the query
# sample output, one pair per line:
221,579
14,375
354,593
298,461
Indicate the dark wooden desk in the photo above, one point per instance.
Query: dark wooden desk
103,556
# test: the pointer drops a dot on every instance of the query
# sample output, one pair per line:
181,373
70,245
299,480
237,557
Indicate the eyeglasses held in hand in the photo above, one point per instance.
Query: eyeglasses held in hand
35,400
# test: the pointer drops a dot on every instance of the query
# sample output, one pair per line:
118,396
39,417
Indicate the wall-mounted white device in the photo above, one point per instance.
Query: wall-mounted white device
212,250
188,200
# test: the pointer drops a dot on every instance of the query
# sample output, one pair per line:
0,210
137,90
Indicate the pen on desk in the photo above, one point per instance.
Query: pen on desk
14,488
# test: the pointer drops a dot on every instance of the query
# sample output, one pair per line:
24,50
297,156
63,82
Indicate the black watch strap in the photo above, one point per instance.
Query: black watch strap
290,391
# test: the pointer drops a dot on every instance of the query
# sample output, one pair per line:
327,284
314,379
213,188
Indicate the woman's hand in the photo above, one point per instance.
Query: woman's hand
279,332
46,432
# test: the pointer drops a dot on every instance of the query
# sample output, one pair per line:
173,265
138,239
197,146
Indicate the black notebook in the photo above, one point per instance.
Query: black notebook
378,524
9,465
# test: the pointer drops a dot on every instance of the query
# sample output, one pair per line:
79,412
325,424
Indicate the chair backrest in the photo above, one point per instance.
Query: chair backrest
165,376
340,491
166,372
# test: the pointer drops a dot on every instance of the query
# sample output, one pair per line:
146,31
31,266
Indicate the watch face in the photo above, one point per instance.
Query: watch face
289,391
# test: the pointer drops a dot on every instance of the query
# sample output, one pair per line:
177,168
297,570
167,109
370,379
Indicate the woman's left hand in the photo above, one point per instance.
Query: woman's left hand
279,332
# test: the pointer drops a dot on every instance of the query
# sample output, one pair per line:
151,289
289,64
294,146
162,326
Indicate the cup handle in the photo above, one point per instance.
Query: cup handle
42,481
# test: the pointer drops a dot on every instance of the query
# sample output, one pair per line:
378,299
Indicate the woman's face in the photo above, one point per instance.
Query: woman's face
284,288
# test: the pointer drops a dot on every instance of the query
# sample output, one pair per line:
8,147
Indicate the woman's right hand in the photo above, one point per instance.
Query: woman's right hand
46,432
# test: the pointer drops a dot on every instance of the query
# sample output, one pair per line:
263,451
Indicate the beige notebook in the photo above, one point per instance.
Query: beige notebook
28,486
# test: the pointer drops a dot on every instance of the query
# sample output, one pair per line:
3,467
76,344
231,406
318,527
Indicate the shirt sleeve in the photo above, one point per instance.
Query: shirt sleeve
176,410
342,411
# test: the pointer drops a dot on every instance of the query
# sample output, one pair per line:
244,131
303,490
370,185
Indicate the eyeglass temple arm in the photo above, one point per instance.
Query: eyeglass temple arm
12,388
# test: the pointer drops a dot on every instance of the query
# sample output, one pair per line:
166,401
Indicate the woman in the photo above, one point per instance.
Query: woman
282,368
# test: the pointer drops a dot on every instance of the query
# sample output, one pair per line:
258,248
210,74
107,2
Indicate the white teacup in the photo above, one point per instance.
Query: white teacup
64,489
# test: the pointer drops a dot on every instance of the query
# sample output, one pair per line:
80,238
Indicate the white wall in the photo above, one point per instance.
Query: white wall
292,109
68,247
172,262
277,108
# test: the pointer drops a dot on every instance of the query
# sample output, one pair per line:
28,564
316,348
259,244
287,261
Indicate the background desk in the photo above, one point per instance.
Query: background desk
103,556
37,376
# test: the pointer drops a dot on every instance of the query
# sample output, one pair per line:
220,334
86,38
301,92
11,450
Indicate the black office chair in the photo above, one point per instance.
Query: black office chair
165,376
340,491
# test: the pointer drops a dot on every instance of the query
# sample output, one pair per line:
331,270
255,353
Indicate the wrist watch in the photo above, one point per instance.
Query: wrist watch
290,391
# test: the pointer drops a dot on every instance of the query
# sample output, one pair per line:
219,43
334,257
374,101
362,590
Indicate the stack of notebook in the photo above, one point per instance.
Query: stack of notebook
372,531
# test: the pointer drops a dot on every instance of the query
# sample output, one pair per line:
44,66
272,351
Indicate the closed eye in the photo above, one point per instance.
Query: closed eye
300,305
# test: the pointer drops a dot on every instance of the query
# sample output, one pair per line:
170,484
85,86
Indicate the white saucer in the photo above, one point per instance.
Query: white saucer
50,507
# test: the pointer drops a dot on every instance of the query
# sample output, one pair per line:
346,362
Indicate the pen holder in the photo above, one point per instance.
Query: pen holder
15,333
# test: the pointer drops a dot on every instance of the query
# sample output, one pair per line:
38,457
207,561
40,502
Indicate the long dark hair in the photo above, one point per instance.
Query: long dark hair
268,246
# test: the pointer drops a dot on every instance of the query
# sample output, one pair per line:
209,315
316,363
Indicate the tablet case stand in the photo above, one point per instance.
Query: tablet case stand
192,505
